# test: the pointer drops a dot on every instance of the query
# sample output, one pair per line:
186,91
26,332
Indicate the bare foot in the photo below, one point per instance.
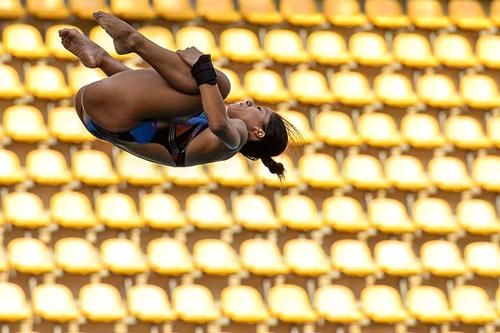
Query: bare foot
87,51
124,36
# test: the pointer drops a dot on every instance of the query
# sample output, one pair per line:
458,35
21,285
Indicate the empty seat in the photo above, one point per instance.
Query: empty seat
386,14
344,13
240,44
477,216
214,214
260,12
46,82
25,210
159,35
72,210
29,256
466,132
421,131
493,129
188,176
93,167
194,304
243,304
54,302
174,10
454,50
254,212
301,124
413,50
169,256
427,14
336,304
80,76
24,123
479,91
485,172
85,9
483,258
379,130
47,9
320,171
233,172
23,41
344,214
289,303
132,9
117,210
199,37
437,90
76,256
472,305
10,86
406,172
13,304
351,88
352,257
265,85
383,304
48,167
495,12
64,125
468,15
487,50
449,174
101,302
10,9
267,178
149,303
216,257
298,212
122,256
217,11
396,258
306,257
300,12
364,172
369,48
10,168
262,257
433,215
327,48
389,216
285,46
394,89
442,258
237,92
137,171
336,128
419,298
161,211
309,87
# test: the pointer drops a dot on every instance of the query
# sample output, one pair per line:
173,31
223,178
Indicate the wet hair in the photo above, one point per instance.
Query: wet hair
279,132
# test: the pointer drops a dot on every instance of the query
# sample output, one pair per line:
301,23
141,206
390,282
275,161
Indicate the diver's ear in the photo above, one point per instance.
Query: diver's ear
258,132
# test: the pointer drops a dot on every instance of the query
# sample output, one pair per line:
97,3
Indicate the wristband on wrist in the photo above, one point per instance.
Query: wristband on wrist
203,71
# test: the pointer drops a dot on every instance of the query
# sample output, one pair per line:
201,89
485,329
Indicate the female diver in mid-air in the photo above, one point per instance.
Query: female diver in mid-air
174,113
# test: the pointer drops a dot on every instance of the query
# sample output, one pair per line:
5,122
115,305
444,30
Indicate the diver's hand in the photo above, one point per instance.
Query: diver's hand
190,55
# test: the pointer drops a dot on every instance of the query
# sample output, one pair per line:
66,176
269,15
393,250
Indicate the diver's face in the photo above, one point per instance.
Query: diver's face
255,117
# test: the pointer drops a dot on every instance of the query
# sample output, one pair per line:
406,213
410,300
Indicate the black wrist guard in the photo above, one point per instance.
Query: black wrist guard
203,71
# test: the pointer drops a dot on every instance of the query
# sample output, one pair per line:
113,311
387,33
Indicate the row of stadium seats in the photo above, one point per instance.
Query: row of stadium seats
253,212
425,14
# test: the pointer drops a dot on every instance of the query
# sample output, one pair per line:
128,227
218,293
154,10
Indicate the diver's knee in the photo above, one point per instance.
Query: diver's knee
223,84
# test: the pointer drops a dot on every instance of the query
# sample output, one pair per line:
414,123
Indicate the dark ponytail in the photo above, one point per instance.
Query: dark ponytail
274,167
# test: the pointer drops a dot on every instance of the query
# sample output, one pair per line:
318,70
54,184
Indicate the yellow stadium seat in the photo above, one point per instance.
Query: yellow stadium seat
132,9
328,48
161,211
217,11
189,176
24,123
413,50
241,45
53,42
149,303
216,257
4,265
369,48
174,10
389,216
64,125
159,35
54,302
454,50
199,37
93,167
479,91
382,304
290,304
483,258
29,256
433,215
265,85
237,92
122,256
298,212
320,171
344,214
117,210
351,88
421,130
285,46
485,172
466,132
418,300
13,304
85,9
396,258
344,13
76,256
233,172
352,257
262,12
438,90
47,167
449,174
10,168
493,129
72,210
101,37
336,304
46,82
194,304
300,12
306,257
379,130
47,9
427,14
386,14
406,172
10,86
442,258
472,305
23,41
487,50
477,216
137,171
213,216
262,257
243,304
309,87
80,76
169,256
394,89
364,172
301,123
11,9
25,210
267,178
101,302
468,15
254,212
336,128
495,12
